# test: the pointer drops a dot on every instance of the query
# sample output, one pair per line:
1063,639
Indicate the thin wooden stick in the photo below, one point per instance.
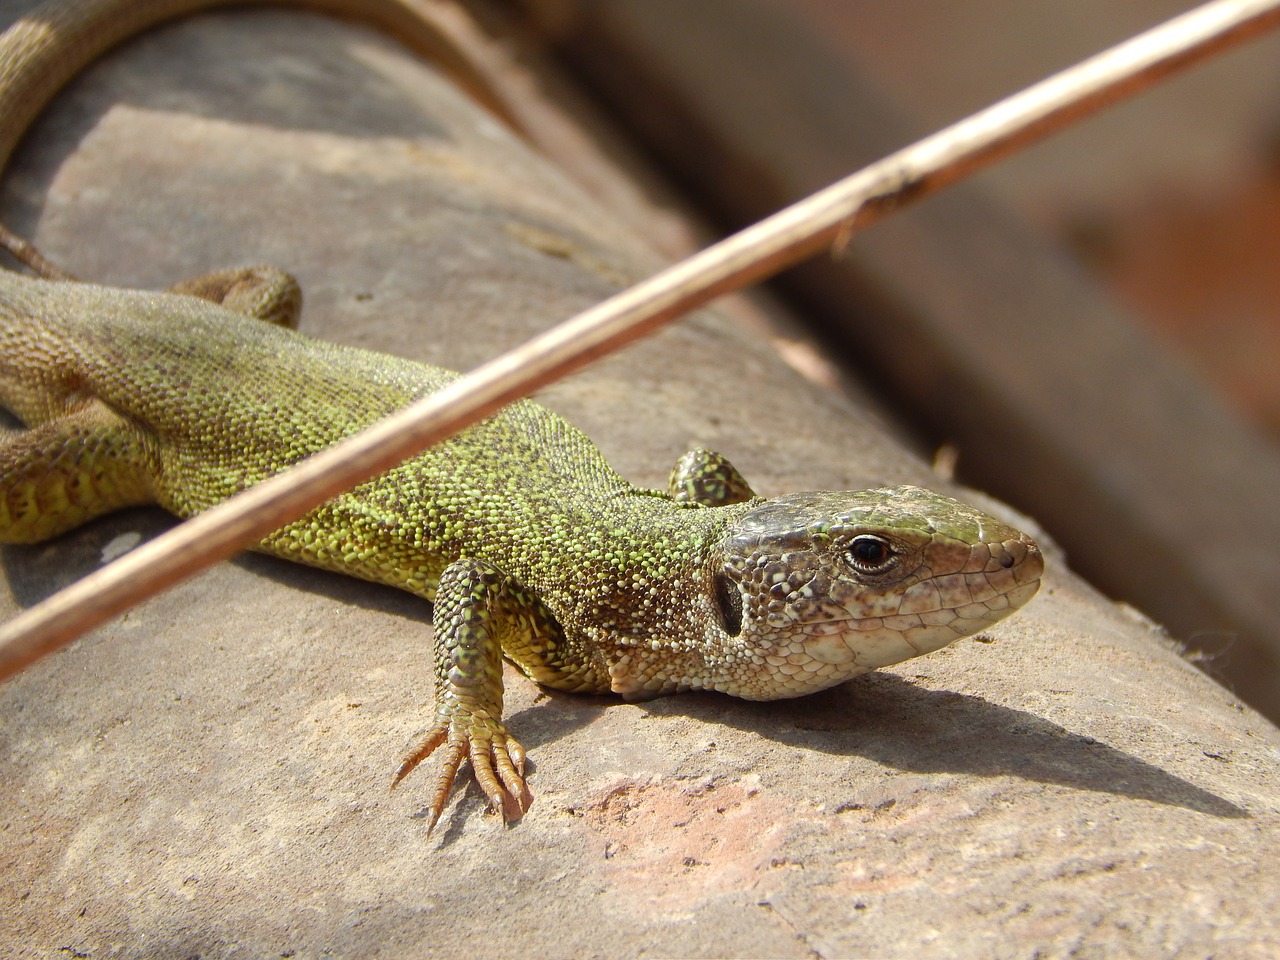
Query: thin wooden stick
829,216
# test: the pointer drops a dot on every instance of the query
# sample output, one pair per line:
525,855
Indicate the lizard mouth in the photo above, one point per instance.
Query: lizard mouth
878,641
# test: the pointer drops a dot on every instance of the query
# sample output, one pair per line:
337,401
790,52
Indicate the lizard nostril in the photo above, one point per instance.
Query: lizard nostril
1006,561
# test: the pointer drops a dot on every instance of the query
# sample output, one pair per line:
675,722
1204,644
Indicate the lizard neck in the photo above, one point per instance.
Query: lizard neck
642,581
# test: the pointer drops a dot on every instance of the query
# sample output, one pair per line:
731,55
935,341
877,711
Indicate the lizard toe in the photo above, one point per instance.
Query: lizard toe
497,760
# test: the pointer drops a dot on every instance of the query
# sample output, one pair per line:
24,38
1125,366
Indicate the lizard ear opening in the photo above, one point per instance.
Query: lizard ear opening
729,604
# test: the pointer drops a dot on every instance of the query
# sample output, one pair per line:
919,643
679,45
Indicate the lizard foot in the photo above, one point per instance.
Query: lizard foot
479,613
497,759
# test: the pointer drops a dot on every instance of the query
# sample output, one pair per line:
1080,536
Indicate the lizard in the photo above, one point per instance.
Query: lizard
530,547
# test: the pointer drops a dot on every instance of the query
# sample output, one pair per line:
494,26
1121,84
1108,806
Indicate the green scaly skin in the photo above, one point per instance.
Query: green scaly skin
531,546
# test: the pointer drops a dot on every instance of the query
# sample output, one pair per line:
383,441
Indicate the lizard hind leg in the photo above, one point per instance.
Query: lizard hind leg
264,293
66,471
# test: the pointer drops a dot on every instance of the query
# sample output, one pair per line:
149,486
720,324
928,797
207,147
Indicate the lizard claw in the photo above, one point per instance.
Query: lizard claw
497,759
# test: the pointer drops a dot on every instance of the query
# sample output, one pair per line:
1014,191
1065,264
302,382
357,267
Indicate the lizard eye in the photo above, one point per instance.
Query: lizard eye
871,554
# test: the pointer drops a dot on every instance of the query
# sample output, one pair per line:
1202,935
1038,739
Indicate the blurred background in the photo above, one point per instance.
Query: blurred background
1172,201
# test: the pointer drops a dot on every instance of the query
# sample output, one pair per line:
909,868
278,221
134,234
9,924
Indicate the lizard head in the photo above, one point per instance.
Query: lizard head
824,586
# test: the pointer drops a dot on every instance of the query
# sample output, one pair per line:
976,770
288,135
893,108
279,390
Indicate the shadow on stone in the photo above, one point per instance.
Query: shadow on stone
896,723
363,594
37,571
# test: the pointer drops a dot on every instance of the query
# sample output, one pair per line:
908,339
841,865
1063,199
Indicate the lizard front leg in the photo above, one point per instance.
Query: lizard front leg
264,293
479,613
706,477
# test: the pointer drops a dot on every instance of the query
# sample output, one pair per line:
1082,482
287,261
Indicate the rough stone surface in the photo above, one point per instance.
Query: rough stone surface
207,776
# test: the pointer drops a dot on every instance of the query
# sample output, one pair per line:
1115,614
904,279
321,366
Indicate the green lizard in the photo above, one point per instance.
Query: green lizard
531,547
